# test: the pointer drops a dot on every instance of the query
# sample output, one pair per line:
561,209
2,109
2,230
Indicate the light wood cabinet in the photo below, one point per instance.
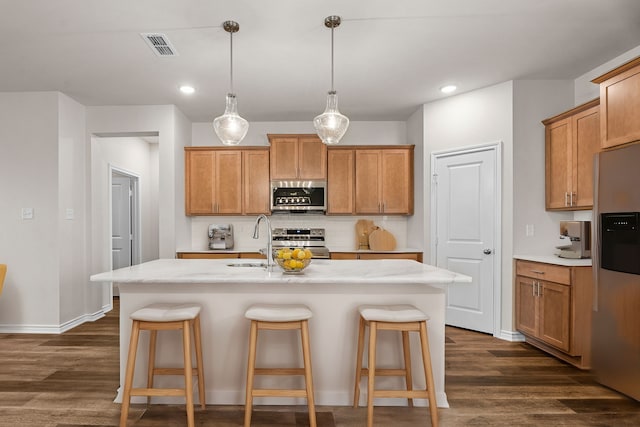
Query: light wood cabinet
370,179
553,309
414,256
571,140
384,180
297,157
222,181
340,181
620,104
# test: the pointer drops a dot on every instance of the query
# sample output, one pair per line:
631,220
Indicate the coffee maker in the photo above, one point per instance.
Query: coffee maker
220,236
575,239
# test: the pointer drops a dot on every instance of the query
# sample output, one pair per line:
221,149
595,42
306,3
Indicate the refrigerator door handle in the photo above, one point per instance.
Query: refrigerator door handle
595,231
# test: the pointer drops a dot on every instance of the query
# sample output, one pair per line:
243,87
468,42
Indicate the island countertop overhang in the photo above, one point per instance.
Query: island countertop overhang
370,272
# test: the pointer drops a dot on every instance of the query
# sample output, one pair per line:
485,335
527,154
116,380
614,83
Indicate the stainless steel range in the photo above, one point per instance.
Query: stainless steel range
308,238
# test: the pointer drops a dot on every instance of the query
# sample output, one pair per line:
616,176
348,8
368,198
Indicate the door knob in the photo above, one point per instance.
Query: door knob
487,252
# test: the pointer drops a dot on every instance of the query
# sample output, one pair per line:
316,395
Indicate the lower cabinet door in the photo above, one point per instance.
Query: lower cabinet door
526,306
555,314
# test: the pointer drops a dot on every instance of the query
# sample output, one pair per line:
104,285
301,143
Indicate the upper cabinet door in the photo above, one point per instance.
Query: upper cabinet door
228,182
256,182
199,182
586,133
368,178
340,181
397,182
558,164
620,104
284,158
298,157
312,159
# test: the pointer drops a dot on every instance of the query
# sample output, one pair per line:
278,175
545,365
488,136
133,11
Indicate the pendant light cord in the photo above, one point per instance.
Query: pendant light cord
231,62
332,89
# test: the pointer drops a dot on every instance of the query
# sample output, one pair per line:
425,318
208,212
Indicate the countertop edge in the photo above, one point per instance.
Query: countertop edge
556,260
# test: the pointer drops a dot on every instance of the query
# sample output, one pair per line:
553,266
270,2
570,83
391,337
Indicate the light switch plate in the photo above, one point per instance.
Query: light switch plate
27,213
529,230
69,214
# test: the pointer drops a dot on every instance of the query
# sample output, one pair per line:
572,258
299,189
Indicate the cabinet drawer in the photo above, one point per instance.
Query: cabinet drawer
548,272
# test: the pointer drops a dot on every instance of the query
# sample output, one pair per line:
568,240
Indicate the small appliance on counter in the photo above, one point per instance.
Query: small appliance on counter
220,236
575,239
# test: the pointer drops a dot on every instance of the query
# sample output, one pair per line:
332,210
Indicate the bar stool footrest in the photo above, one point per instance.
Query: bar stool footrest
279,371
262,392
385,372
173,371
157,392
408,394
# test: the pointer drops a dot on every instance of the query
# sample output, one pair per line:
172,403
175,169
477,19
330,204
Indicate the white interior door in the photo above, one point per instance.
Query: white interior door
121,226
464,186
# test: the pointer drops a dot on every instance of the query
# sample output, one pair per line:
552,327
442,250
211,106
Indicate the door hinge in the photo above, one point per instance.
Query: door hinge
434,178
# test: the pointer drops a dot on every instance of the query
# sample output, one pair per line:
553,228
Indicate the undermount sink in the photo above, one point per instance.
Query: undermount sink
248,264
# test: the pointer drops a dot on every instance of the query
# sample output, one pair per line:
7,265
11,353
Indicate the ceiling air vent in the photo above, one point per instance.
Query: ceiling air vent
160,44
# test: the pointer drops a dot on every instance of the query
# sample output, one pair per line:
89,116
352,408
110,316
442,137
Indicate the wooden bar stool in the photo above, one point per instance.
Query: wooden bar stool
403,318
163,317
279,317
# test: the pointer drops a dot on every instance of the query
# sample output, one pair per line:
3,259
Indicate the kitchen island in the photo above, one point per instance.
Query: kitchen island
331,288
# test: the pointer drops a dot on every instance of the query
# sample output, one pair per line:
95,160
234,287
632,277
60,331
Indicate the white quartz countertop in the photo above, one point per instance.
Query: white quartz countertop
554,259
387,272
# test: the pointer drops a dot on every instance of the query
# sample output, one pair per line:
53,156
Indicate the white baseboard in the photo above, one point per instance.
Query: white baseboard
55,329
513,336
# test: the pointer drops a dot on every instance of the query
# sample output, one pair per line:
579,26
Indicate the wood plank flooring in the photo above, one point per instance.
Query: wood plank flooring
69,380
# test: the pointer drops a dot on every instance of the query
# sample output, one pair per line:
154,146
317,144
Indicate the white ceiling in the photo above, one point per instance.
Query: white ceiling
390,57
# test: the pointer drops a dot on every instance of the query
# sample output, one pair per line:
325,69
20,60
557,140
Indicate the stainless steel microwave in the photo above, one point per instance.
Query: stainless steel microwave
298,196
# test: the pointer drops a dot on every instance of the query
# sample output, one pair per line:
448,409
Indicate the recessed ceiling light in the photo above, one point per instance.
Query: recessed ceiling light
448,88
187,90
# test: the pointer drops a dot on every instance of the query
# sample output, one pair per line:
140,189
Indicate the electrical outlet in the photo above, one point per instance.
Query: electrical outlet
69,214
529,230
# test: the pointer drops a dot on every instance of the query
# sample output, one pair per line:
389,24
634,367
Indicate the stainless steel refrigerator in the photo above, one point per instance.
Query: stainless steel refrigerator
616,264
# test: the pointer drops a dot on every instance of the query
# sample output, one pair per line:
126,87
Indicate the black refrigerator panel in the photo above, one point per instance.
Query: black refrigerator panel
620,237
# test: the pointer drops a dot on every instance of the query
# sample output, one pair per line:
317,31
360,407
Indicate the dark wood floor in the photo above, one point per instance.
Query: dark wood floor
69,380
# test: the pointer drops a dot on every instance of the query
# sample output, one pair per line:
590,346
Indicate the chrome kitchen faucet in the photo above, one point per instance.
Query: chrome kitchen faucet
256,234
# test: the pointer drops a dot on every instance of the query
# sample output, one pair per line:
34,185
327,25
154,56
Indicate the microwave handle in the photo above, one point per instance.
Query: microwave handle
595,231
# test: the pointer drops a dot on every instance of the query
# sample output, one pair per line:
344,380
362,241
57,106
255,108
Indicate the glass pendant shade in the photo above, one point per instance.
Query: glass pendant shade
230,127
331,125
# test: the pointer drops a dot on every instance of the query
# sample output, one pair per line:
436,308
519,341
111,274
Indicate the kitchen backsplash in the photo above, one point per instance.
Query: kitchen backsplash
340,231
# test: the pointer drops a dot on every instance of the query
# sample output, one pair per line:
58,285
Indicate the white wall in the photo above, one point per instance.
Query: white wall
478,117
359,133
76,297
29,178
585,90
534,101
415,224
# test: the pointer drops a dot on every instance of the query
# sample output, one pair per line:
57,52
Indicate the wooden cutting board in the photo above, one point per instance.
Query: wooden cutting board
381,240
364,227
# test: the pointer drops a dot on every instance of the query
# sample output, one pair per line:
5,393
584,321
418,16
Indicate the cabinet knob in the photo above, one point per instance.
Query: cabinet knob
487,251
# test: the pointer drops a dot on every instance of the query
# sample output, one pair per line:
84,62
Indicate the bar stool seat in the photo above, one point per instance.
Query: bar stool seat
162,317
403,318
279,317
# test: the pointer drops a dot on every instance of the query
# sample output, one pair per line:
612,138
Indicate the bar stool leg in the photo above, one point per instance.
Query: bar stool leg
251,366
153,336
198,342
426,360
128,379
356,393
308,377
373,329
188,371
406,349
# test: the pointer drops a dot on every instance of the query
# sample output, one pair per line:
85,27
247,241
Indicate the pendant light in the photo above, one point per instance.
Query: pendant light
230,127
331,125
